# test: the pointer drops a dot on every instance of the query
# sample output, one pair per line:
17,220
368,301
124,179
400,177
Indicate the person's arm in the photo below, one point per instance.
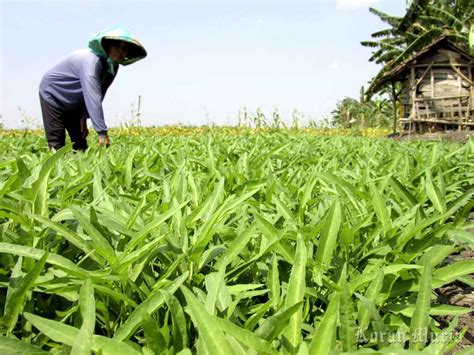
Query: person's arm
89,76
107,78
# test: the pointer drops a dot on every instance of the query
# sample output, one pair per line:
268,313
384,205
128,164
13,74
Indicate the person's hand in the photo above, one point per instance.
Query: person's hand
104,141
84,129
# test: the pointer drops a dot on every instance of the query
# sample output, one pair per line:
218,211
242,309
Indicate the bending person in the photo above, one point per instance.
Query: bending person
73,90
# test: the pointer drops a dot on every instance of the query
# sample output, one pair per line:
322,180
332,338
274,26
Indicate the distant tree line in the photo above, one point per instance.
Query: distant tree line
352,113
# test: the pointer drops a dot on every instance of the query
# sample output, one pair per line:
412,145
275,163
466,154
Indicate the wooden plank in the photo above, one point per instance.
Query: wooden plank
447,83
441,65
423,74
436,109
461,75
472,86
413,91
442,93
432,82
443,97
443,72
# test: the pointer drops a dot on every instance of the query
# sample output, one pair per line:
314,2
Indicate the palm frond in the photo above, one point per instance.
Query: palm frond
447,15
383,33
391,20
420,42
370,44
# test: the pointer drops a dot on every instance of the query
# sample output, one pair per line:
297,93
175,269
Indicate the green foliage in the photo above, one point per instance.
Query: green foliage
273,242
424,22
351,113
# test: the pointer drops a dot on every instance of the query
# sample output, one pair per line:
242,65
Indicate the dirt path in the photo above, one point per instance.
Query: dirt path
459,294
441,136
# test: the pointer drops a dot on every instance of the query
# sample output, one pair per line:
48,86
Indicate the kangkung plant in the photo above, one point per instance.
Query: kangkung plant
267,243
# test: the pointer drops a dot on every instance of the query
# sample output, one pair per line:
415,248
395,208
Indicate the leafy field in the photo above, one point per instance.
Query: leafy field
222,243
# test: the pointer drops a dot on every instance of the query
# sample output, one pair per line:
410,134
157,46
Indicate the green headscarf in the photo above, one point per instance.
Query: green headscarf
135,53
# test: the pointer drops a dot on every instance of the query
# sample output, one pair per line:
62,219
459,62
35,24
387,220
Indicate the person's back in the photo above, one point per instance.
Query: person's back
72,84
63,81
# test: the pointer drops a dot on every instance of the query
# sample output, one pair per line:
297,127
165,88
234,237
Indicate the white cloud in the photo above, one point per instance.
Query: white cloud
352,4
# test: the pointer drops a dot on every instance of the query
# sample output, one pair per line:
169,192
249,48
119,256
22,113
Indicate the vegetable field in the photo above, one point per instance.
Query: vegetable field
221,244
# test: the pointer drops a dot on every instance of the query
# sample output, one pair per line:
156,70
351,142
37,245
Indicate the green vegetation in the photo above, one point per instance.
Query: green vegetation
262,242
424,22
363,114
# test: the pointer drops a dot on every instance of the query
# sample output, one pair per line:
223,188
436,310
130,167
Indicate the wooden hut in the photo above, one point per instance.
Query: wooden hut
436,88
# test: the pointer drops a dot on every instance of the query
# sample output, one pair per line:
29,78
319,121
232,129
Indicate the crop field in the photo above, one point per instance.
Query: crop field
259,242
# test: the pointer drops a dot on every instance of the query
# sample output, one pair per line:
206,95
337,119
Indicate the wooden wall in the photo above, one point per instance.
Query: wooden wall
438,87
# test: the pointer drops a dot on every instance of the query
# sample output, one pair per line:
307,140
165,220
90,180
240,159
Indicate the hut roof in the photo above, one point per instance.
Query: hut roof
390,72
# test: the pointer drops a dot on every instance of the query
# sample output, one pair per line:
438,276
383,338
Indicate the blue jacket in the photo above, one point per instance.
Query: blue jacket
82,78
79,81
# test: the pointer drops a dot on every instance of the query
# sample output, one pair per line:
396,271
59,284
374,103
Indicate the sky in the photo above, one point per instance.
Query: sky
206,59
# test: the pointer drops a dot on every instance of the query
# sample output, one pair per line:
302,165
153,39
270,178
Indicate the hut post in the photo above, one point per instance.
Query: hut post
460,118
394,103
414,105
470,102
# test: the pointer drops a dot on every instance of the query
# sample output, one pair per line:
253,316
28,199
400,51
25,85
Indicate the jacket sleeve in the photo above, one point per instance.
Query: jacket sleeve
89,76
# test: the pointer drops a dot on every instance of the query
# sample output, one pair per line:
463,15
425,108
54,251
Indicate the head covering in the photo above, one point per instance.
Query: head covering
136,51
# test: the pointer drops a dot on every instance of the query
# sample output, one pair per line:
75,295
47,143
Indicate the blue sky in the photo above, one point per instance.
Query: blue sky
206,59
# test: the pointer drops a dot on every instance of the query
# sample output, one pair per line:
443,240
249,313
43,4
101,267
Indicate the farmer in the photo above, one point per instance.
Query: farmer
73,90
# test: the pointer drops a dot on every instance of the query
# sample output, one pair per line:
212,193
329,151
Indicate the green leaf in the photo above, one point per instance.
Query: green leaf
72,237
323,341
83,342
136,212
154,339
129,167
435,310
235,248
381,209
214,284
137,239
328,237
100,243
274,325
434,194
209,206
180,327
153,302
15,278
39,188
54,330
18,295
295,293
208,327
55,260
452,272
245,336
403,192
273,235
420,319
66,334
15,346
373,290
378,323
273,282
462,236
347,330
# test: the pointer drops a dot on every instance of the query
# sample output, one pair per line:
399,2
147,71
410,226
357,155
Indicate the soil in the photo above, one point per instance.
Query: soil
462,136
459,294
